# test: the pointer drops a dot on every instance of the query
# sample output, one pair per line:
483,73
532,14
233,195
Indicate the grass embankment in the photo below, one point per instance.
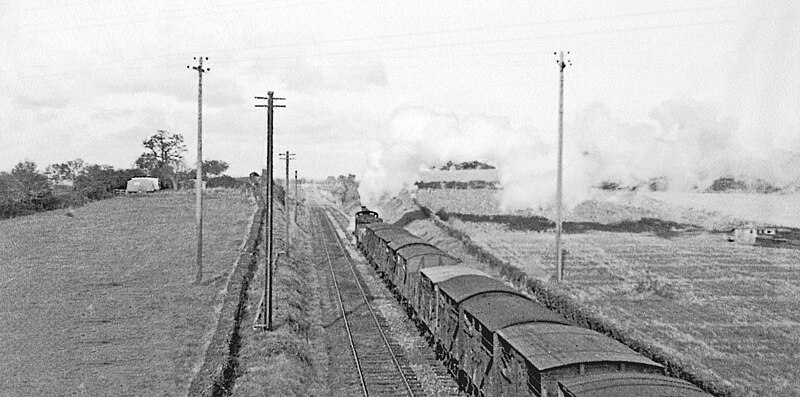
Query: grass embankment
290,360
103,302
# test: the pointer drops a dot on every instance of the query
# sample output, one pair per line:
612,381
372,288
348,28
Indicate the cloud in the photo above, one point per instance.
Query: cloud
334,75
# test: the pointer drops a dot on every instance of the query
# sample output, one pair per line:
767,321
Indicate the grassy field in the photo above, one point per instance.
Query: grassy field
103,302
725,311
723,308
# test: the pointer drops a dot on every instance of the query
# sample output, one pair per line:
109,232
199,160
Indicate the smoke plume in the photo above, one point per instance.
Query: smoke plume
754,132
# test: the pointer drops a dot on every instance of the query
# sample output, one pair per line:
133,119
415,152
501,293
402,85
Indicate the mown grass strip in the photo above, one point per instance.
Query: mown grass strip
218,373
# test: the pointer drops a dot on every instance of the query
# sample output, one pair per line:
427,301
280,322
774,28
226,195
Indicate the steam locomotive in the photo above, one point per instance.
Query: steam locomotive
497,341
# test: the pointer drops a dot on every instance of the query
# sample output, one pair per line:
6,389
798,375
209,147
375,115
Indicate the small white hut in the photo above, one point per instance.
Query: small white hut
142,185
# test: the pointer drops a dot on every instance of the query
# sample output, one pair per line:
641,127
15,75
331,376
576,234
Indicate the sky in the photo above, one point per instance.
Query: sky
381,89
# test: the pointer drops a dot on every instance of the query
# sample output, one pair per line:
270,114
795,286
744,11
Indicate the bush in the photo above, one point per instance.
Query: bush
99,182
224,181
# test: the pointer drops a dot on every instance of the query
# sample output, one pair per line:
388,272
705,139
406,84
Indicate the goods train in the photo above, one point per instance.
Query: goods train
497,341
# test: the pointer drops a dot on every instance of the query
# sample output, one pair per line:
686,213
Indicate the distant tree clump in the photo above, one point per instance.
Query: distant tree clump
729,183
25,191
164,156
98,182
467,165
64,172
345,188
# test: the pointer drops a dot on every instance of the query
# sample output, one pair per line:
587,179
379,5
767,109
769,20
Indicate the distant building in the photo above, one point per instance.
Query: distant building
142,185
771,236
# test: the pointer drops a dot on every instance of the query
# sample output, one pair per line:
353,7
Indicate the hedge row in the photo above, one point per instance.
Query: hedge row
559,301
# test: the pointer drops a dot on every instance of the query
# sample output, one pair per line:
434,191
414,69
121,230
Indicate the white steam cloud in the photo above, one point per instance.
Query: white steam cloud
754,133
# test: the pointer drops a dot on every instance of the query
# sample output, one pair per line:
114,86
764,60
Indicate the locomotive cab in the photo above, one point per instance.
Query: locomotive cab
363,218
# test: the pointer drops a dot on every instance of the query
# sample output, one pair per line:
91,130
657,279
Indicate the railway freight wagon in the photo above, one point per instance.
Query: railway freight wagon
371,242
449,295
410,260
426,301
501,343
627,384
549,353
381,253
481,317
388,267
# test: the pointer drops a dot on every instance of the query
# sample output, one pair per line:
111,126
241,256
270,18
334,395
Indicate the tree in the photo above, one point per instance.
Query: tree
64,172
163,157
214,167
186,176
97,182
34,187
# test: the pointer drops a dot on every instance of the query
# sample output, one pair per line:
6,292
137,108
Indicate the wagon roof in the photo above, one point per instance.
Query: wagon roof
547,346
437,274
392,234
630,384
462,287
382,225
498,310
404,241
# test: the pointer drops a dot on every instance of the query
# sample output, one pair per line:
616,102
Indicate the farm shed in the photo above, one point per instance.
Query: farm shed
767,236
142,185
627,384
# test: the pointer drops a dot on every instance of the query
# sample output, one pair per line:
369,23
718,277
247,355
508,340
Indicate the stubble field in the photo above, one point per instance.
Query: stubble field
103,302
727,311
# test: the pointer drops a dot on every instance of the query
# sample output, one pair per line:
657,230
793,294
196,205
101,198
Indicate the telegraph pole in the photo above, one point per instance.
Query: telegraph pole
296,197
268,268
287,156
199,178
559,188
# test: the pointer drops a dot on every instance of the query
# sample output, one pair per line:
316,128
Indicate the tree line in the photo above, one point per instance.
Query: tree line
26,190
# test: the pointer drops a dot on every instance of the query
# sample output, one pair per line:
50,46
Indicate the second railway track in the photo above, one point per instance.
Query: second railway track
380,366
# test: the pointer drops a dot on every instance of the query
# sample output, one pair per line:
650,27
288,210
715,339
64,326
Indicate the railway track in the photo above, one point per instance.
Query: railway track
380,366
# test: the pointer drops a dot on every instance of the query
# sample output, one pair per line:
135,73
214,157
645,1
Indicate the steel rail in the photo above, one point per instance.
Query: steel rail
366,301
346,322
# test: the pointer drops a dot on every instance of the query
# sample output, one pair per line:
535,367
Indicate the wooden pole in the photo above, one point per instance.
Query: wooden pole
199,176
287,156
268,266
559,182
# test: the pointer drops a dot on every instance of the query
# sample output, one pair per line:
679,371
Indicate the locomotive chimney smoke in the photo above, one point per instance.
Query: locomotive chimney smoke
753,134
